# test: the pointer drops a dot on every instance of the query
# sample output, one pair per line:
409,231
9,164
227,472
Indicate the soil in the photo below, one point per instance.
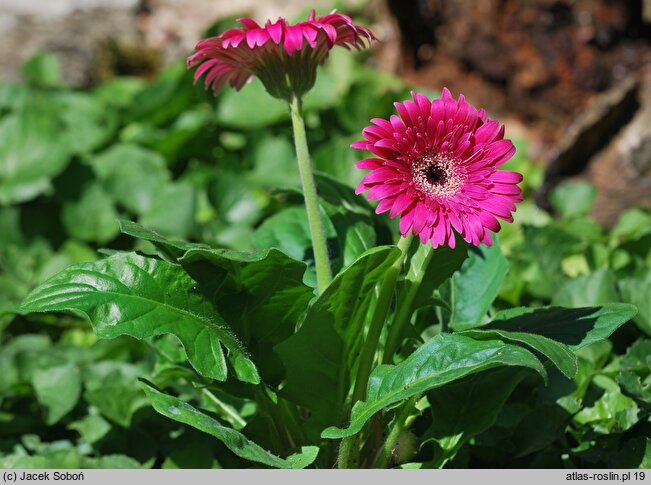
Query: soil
537,65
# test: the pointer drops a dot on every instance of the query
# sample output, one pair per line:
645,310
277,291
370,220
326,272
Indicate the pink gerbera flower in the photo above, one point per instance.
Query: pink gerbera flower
285,57
437,169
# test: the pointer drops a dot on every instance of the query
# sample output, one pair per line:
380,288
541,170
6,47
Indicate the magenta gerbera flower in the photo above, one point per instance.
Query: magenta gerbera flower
285,57
437,169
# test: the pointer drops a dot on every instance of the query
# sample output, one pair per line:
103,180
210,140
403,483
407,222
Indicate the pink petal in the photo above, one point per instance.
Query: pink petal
506,177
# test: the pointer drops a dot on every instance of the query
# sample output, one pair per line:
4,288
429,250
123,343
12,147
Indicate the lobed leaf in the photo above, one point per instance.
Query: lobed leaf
574,327
443,359
128,294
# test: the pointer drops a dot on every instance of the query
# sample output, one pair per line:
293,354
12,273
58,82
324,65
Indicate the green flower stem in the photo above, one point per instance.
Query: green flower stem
315,220
400,423
348,453
403,313
348,449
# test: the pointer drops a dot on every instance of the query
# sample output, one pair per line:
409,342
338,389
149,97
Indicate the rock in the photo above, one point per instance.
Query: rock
86,34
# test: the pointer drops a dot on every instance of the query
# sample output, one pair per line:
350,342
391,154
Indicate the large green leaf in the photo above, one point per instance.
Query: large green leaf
324,352
559,354
443,359
239,444
172,249
260,295
128,294
471,291
575,327
465,408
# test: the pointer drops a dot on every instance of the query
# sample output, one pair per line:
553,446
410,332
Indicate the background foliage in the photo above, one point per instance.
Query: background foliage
222,172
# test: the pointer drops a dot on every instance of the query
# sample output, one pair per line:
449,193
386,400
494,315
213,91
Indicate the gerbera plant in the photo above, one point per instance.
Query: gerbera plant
404,355
285,58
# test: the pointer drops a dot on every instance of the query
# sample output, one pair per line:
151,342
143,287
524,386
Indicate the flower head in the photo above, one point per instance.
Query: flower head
285,57
436,168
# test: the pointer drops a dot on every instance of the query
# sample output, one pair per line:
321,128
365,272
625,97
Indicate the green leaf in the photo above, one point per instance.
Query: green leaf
235,200
32,152
128,294
473,288
575,327
443,359
322,355
632,224
162,101
260,295
172,249
573,199
289,231
88,123
250,109
58,389
235,441
470,406
559,354
594,289
133,175
635,371
91,427
547,247
13,96
112,388
336,159
42,70
352,218
612,412
274,163
118,462
636,290
424,277
332,82
172,211
91,218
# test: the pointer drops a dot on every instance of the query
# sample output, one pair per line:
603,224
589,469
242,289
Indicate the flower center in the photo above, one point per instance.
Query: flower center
437,175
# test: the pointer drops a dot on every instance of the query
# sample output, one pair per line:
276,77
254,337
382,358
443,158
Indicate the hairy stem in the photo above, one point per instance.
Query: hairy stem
399,425
315,220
